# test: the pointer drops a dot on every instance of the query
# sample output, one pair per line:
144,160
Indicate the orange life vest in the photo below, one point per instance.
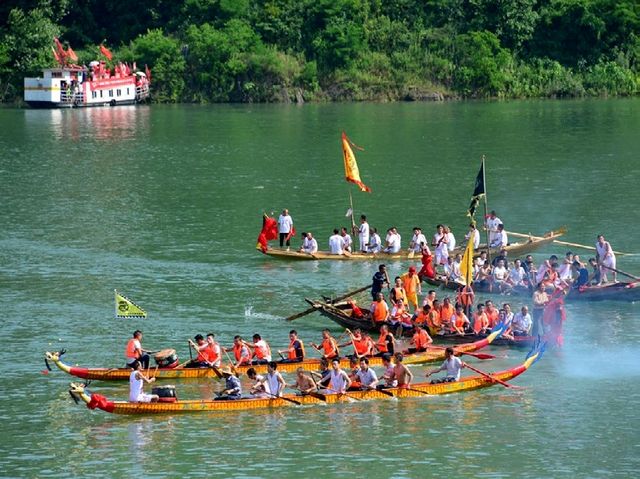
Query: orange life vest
446,313
399,293
460,319
382,342
263,351
330,348
421,318
433,319
480,322
130,351
360,345
465,296
492,316
237,352
380,311
292,349
421,339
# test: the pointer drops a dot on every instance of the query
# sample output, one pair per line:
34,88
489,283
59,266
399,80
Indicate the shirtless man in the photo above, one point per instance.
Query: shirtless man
401,372
305,384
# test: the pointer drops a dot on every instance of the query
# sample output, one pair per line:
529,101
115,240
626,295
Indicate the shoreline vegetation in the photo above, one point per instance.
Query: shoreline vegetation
296,51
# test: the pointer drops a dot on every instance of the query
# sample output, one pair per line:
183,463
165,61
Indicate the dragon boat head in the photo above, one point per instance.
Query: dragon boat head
77,392
54,357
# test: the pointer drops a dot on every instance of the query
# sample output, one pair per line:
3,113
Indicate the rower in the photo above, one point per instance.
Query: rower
305,384
200,347
492,313
393,241
328,346
366,376
340,381
401,372
346,240
420,340
134,351
375,243
295,351
336,243
459,322
261,350
606,259
379,310
257,388
418,241
451,364
398,292
480,320
309,244
389,375
136,384
273,381
232,386
446,314
521,324
213,351
361,345
400,317
386,341
582,273
354,367
241,353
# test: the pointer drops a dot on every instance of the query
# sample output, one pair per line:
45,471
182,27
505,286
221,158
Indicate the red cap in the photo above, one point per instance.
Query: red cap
412,269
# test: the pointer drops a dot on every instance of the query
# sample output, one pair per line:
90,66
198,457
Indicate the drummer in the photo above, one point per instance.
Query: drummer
136,384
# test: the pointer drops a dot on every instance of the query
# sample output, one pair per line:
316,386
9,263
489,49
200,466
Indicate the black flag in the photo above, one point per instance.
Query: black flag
478,191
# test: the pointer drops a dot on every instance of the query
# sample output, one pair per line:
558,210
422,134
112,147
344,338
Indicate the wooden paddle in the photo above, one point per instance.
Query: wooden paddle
628,275
339,298
298,403
482,356
494,379
233,368
565,243
417,391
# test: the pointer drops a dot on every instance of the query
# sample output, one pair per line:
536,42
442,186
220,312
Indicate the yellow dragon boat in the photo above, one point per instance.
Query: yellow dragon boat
97,401
122,374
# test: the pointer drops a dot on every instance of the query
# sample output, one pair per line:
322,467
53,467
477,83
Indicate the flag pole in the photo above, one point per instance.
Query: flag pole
486,208
353,222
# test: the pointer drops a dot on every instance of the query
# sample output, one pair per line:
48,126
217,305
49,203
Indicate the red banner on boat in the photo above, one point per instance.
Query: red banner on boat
351,171
269,232
105,51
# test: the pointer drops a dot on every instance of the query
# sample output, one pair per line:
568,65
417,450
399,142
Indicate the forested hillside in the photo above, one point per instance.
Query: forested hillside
277,50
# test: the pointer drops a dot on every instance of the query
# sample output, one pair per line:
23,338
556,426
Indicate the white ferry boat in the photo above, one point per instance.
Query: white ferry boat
70,85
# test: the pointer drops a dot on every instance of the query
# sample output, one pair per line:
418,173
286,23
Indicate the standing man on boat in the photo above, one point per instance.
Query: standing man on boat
412,287
285,228
134,351
491,224
363,234
475,234
439,242
606,260
540,299
418,241
136,384
379,280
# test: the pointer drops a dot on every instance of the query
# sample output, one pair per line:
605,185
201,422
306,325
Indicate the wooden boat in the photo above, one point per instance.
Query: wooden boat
97,401
623,291
514,249
122,374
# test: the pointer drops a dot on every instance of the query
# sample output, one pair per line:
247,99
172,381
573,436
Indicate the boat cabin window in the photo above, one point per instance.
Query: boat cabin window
127,90
118,92
110,93
94,94
56,74
100,93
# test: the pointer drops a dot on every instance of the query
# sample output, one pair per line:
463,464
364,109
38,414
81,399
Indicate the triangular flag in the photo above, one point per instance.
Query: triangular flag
125,308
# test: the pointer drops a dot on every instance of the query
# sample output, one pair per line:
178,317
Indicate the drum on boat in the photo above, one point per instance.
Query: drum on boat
165,393
167,358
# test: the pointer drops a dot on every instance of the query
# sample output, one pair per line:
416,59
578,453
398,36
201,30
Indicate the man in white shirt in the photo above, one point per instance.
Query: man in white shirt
500,240
499,276
393,241
475,234
521,324
492,225
336,243
417,241
363,233
451,240
375,243
366,376
440,244
309,245
517,275
346,239
452,364
285,224
564,271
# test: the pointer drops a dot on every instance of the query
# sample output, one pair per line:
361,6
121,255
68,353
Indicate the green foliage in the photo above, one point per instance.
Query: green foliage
274,50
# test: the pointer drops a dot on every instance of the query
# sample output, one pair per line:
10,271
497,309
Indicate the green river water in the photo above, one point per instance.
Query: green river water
164,203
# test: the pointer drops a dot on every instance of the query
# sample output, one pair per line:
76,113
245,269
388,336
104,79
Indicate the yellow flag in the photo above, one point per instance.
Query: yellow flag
466,268
351,171
125,308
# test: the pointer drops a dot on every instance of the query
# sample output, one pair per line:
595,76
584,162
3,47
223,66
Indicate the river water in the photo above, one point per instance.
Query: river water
164,203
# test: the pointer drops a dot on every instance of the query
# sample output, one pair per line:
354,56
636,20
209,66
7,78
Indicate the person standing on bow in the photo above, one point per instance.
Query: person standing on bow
363,234
606,259
380,280
285,228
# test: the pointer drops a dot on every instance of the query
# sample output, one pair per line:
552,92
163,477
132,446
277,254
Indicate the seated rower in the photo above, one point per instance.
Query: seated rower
241,352
257,389
354,367
213,351
499,278
323,373
328,346
502,318
261,350
500,239
339,380
375,243
366,376
433,319
273,381
447,311
401,372
295,351
492,313
305,384
393,241
582,275
517,277
522,322
362,345
400,316
136,384
389,375
420,340
386,341
480,321
398,292
309,245
346,240
459,322
452,365
200,346
232,386
420,317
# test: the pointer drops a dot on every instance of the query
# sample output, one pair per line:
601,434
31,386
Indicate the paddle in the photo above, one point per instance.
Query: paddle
494,379
628,275
566,243
298,403
233,368
314,308
418,391
482,356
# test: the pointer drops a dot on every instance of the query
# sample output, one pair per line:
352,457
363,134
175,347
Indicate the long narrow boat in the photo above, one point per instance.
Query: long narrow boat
341,313
97,401
514,249
122,374
623,291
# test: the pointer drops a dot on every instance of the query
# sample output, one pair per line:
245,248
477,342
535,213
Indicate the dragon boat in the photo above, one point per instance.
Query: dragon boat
622,291
122,374
527,245
79,392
